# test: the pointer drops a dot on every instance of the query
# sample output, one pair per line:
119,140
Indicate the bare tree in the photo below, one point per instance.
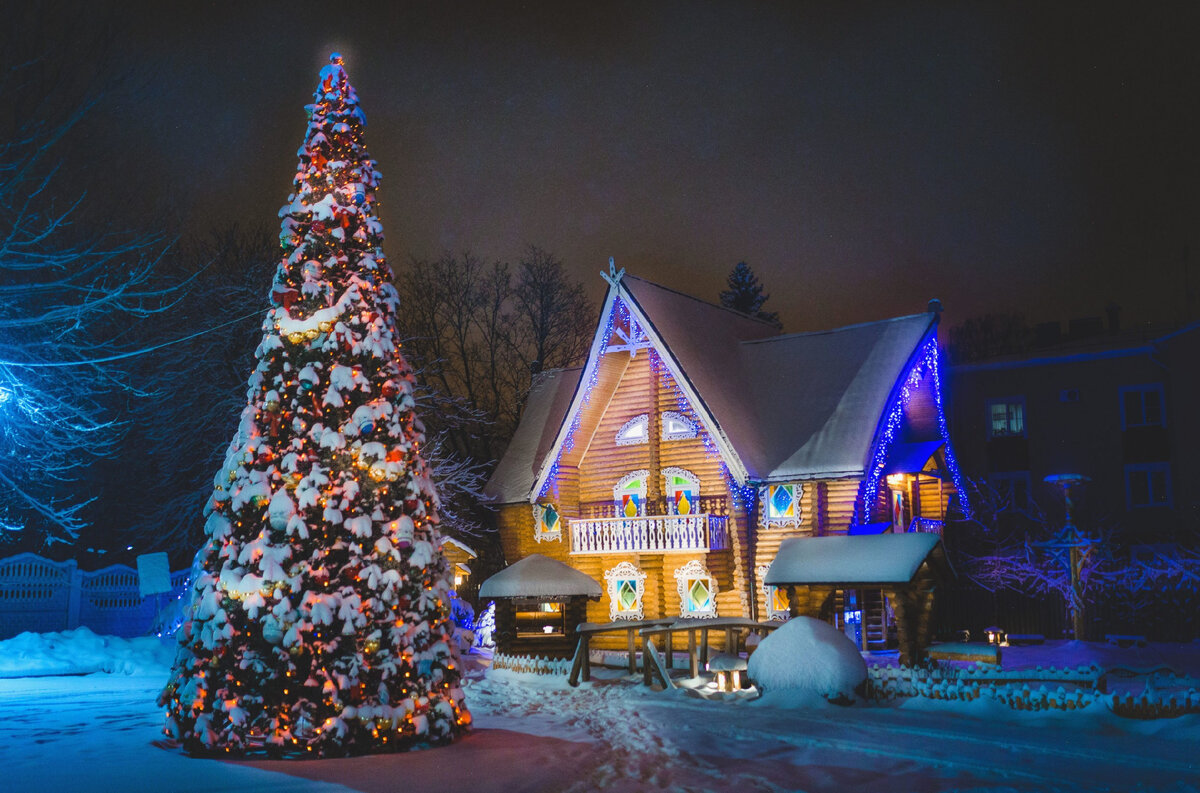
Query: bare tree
479,331
68,294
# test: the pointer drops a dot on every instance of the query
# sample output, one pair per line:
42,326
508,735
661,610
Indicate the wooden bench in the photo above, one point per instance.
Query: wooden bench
1125,641
960,651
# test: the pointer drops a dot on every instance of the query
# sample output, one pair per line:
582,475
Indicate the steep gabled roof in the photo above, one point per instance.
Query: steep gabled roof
802,405
549,397
779,407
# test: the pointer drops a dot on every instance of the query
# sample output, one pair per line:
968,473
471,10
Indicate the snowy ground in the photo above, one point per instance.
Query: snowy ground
95,732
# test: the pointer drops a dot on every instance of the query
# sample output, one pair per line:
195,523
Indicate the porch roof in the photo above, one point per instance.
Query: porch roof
539,576
873,559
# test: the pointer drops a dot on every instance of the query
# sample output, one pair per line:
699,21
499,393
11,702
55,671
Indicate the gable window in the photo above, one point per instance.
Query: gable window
1142,406
697,590
682,489
676,426
1013,487
776,597
626,586
781,504
1006,417
547,523
630,494
634,431
1148,485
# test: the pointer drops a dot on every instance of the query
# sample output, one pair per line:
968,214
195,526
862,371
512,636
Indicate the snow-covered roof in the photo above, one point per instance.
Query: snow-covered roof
794,406
780,407
460,545
539,576
549,397
864,559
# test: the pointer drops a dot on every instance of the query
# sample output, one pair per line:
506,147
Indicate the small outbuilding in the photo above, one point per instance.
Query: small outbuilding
539,604
908,568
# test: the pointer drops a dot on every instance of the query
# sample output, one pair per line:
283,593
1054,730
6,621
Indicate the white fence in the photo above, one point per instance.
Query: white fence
650,534
40,595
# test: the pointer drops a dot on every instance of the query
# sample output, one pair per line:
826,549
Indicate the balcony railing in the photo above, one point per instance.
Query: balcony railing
649,534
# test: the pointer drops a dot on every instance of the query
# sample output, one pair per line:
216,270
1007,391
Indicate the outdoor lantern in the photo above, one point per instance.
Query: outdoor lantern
995,635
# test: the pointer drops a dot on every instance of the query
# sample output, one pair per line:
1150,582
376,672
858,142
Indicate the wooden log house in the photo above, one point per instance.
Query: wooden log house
694,440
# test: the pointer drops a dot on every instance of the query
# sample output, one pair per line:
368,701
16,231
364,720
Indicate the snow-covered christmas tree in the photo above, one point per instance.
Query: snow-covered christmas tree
321,617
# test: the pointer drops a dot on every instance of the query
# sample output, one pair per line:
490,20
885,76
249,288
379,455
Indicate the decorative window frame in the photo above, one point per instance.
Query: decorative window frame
625,571
622,486
668,488
542,534
693,571
764,499
642,421
769,593
678,434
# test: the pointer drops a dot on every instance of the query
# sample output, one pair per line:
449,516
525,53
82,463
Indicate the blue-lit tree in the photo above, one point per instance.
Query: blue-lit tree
68,296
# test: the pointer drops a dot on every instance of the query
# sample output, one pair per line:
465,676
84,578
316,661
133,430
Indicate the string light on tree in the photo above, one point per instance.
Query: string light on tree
320,622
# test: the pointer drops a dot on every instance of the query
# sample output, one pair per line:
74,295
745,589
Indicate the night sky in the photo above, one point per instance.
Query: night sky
862,159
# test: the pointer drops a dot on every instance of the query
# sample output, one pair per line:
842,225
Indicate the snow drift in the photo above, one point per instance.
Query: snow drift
808,656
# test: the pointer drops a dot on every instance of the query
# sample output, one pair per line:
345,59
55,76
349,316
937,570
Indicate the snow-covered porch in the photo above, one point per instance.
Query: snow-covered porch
907,568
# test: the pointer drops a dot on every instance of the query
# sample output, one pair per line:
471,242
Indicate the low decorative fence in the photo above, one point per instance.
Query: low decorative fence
42,596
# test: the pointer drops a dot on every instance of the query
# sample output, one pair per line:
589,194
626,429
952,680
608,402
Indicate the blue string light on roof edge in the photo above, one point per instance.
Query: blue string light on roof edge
870,486
620,312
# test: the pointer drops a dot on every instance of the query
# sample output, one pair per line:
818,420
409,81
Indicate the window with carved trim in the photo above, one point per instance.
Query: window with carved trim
676,426
682,490
697,590
626,586
630,494
781,504
775,597
634,431
547,523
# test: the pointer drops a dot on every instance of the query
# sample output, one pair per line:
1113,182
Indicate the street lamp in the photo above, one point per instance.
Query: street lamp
1070,548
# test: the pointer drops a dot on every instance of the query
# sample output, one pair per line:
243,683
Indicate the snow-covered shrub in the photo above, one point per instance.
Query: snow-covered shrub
808,656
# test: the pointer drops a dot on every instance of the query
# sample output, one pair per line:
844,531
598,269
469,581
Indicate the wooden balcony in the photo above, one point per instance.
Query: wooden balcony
649,534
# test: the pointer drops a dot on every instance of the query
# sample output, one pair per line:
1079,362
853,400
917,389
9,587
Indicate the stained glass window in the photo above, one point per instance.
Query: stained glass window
630,494
547,523
697,590
682,488
781,501
626,584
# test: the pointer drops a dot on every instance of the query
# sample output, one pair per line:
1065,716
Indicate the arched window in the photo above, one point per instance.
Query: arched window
630,494
697,590
634,431
626,585
682,490
676,426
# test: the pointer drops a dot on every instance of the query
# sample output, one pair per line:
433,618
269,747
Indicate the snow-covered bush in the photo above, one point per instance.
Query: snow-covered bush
808,656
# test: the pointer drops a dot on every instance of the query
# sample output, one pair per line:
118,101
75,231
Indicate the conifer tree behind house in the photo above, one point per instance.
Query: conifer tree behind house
320,622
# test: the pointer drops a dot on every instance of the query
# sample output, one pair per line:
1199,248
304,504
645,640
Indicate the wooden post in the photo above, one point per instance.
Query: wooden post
632,652
693,666
577,661
670,645
730,645
584,641
647,664
704,647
